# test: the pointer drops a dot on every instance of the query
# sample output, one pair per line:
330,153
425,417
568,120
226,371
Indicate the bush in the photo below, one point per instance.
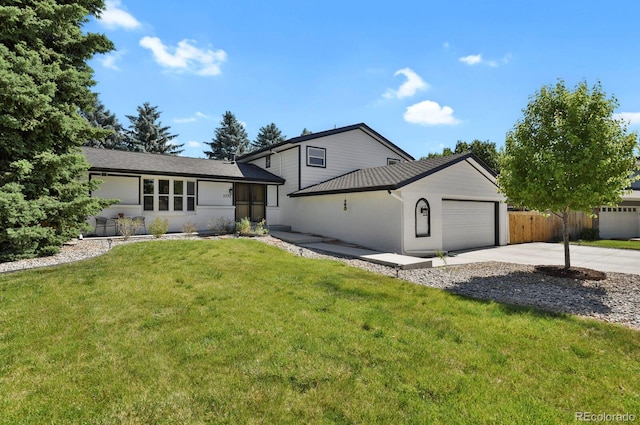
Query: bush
590,234
128,226
243,226
189,227
222,225
159,227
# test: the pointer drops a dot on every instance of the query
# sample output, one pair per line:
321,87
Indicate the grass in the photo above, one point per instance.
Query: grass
236,331
610,243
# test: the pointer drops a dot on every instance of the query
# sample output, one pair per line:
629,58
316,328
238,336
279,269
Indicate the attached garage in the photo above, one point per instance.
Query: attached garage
468,224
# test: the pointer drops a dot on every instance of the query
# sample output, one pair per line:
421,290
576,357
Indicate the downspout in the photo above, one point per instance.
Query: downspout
399,198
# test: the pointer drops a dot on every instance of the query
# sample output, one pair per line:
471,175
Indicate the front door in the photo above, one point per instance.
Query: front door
250,201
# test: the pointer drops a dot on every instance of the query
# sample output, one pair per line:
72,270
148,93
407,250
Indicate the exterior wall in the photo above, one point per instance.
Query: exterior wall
372,219
345,152
460,181
212,201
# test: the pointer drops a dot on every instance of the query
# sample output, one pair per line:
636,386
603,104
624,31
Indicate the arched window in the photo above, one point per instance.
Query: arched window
423,218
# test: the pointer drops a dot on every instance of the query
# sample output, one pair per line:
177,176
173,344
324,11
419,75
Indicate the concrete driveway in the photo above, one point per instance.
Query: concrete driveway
540,253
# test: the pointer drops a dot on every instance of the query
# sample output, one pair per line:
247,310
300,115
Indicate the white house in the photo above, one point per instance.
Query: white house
622,221
349,183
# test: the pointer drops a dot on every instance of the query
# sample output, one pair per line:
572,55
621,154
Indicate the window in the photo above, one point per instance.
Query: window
316,157
191,196
163,199
169,195
423,218
178,199
267,161
147,190
391,161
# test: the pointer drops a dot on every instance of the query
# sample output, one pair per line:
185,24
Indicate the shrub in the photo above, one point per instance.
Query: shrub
128,226
221,225
159,227
260,229
244,226
590,234
189,227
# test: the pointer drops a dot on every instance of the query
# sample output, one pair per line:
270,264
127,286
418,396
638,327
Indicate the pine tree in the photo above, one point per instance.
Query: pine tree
267,136
230,140
114,135
305,132
146,133
44,82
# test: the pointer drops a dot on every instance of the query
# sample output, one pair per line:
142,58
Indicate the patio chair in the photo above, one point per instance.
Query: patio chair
104,222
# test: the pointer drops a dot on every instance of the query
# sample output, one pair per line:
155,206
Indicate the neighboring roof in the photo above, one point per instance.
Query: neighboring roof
300,139
108,160
388,177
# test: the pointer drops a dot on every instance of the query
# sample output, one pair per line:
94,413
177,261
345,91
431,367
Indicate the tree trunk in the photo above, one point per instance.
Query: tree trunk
565,238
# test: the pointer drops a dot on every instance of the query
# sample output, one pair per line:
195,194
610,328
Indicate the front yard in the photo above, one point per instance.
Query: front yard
235,331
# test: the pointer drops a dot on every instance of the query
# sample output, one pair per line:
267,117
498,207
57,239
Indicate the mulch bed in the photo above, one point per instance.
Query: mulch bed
578,273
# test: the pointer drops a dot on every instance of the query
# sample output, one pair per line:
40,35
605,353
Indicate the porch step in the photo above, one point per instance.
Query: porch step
279,228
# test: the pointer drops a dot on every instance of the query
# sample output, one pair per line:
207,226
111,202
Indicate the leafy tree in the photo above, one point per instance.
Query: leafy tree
486,151
267,136
568,153
147,134
44,82
305,132
114,136
230,139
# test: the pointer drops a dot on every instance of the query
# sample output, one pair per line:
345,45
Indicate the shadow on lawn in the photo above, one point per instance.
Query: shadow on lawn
528,289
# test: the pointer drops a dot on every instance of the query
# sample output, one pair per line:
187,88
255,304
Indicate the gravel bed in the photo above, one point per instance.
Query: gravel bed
615,299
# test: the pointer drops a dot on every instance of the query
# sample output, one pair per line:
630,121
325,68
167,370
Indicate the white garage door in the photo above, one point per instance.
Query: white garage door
468,224
619,222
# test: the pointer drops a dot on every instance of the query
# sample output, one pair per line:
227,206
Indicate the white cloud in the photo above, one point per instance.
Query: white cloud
430,113
109,60
629,117
115,17
410,87
446,45
193,144
479,60
201,115
471,59
184,120
185,57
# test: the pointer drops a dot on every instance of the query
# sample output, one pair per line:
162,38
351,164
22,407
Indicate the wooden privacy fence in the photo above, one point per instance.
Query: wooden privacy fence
531,226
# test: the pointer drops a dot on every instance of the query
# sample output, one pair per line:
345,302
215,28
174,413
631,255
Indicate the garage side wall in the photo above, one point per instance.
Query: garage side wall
463,181
372,219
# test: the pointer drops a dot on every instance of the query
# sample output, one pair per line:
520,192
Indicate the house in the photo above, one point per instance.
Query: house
622,221
349,183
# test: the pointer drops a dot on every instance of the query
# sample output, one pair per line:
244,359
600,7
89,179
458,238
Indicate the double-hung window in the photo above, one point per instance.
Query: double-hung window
316,157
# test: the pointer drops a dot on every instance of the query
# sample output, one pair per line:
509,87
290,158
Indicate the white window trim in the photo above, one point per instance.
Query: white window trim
316,156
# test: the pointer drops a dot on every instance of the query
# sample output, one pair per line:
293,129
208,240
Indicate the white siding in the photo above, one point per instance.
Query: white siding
345,152
124,188
372,219
214,193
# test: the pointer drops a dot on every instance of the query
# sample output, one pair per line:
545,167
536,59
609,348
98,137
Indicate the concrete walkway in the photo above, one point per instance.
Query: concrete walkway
540,253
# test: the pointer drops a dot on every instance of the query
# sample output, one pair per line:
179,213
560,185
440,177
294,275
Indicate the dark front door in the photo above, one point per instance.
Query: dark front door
250,201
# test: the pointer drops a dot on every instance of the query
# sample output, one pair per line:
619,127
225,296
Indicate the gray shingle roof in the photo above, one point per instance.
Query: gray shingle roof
107,160
388,177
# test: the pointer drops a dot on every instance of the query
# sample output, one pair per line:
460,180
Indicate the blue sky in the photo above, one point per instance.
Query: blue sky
423,74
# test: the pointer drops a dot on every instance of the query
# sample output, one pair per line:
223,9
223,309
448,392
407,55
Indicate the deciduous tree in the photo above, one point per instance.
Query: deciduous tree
568,153
44,82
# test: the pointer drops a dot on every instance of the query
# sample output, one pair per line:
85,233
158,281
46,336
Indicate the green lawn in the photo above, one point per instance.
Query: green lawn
609,243
236,331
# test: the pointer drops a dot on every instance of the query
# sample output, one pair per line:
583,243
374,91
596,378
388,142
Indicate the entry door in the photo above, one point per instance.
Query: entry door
250,201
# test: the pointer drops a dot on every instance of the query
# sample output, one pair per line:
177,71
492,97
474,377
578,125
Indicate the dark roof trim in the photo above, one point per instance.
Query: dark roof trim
276,180
362,126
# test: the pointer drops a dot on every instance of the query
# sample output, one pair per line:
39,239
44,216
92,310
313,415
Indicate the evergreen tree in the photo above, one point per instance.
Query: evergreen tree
114,135
267,136
230,139
305,132
44,82
146,133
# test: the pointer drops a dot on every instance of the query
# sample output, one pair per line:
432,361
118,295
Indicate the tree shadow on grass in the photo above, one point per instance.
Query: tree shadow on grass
519,291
